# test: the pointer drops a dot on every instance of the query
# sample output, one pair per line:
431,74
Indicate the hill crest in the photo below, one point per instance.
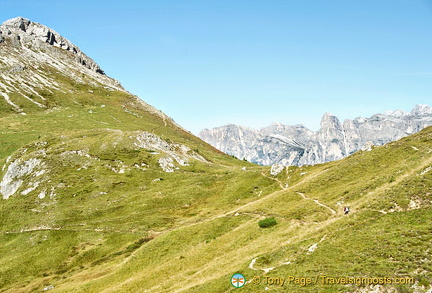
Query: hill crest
20,31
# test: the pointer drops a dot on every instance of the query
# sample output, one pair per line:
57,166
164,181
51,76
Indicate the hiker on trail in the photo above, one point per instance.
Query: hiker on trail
346,210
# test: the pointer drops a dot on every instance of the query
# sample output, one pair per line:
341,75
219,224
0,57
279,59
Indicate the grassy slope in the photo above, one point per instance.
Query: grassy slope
199,253
365,243
198,226
98,216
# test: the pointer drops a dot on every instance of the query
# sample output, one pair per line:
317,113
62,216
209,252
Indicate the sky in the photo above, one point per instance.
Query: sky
207,63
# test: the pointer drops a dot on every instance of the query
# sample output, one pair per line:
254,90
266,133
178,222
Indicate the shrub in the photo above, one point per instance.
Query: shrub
268,222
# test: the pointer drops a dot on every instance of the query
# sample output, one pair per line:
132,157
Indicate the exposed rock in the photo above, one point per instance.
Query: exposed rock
31,57
176,152
17,23
367,147
180,160
421,110
331,138
167,164
17,68
426,170
50,287
276,169
32,187
297,145
42,194
376,289
14,176
147,140
23,32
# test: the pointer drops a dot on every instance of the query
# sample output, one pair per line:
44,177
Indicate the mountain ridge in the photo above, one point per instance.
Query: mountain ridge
22,32
333,141
35,60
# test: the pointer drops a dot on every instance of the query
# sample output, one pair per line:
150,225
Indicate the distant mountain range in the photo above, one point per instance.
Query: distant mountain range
298,145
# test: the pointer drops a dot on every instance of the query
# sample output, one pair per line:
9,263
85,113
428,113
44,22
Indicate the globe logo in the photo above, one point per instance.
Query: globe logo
238,280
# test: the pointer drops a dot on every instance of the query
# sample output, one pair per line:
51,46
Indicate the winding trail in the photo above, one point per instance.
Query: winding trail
284,187
312,248
181,226
309,230
317,202
252,266
164,119
233,212
71,229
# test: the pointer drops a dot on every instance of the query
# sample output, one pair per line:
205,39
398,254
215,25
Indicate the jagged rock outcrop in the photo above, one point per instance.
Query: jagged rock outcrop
22,32
32,58
297,145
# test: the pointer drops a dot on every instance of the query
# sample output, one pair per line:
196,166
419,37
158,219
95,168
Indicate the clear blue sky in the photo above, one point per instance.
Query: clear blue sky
208,63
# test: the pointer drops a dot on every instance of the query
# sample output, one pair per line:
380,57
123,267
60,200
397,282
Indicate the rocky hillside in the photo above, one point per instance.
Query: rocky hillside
296,145
53,94
33,61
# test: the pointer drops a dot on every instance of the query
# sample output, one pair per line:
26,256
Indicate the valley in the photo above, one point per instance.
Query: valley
101,192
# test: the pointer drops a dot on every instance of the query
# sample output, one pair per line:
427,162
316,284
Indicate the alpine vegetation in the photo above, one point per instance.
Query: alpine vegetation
101,192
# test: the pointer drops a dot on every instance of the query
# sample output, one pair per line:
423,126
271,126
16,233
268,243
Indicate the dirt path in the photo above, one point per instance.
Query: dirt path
42,228
308,250
70,229
229,213
317,202
313,247
234,212
164,119
252,266
284,187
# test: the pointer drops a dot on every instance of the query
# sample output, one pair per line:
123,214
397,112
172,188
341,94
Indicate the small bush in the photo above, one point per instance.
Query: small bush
268,222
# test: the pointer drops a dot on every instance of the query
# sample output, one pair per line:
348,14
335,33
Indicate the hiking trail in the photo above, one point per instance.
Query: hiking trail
317,202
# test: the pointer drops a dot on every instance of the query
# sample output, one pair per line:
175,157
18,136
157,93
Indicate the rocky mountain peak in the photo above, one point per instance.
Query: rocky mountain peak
21,32
20,23
421,110
396,113
32,57
330,121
